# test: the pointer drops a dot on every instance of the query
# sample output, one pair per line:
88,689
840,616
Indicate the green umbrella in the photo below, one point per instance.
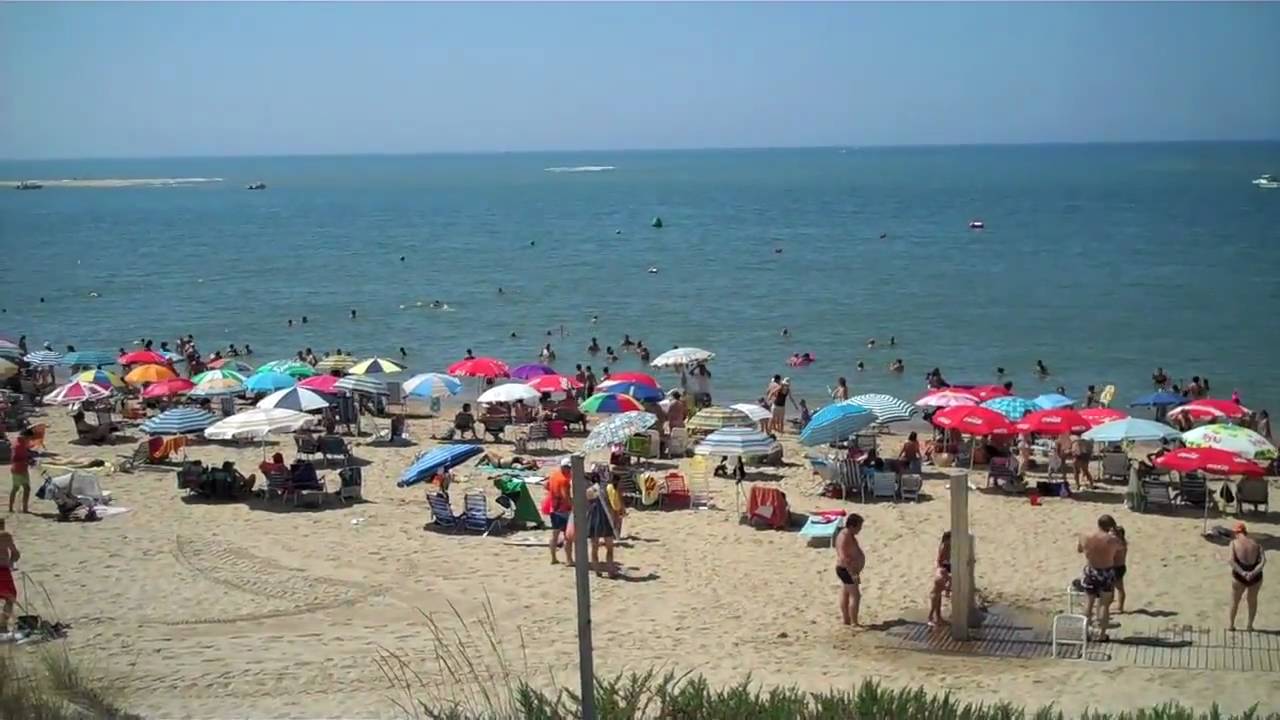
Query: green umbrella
218,374
293,368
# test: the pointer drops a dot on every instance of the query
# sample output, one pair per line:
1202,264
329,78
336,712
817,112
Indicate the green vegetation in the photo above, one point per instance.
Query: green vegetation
48,685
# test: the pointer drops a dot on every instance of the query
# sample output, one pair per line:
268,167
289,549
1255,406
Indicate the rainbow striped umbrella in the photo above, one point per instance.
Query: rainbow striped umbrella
610,403
100,377
77,392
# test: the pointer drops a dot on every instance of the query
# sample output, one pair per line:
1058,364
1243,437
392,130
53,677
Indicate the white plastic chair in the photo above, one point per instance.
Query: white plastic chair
677,442
1069,630
883,485
909,488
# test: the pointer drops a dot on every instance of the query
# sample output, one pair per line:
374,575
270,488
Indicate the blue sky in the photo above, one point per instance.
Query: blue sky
124,80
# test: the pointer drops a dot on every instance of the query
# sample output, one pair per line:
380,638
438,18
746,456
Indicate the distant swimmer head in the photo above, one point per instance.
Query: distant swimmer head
884,235
94,294
653,269
976,224
401,258
777,251
353,314
617,232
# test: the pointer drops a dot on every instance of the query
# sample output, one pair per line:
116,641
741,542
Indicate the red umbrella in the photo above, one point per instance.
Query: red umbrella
167,388
1099,415
1210,409
553,383
986,392
485,367
1210,460
143,357
973,420
947,397
1053,422
322,384
633,377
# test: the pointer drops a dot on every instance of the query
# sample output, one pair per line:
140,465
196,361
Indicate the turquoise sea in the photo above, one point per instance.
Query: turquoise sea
1103,260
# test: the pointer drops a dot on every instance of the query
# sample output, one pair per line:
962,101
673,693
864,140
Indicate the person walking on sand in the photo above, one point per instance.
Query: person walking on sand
941,579
1100,549
1122,556
1246,561
9,556
560,488
19,469
850,561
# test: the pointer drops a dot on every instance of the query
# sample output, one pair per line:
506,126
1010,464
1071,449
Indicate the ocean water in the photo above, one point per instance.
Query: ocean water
1104,261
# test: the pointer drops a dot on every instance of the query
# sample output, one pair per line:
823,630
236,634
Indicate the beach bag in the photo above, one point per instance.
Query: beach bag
1225,493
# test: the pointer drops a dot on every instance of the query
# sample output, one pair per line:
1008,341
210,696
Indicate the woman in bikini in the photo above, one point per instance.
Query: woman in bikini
1246,561
941,580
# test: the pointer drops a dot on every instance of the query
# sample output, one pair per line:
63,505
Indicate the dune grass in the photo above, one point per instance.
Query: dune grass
47,684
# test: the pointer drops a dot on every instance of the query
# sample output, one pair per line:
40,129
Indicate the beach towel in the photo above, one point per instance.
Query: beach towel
823,525
768,505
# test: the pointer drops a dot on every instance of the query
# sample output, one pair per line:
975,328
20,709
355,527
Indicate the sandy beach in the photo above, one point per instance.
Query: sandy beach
213,610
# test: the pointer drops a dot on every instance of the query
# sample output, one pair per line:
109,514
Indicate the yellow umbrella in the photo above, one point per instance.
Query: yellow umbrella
100,377
7,369
149,374
335,362
374,366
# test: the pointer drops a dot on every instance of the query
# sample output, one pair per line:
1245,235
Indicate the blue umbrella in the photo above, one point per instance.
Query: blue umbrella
736,442
639,391
90,358
179,421
1053,401
1012,407
1159,398
441,458
432,385
268,382
1135,429
836,422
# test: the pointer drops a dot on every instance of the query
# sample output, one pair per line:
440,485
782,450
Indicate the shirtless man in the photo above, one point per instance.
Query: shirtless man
850,561
1247,559
1101,550
8,590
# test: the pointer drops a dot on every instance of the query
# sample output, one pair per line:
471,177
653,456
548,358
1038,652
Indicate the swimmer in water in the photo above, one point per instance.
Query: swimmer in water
532,243
884,235
401,258
353,313
594,347
290,321
1041,370
777,251
861,367
999,372
892,341
595,319
871,343
513,334
499,290
403,354
470,356
897,366
785,332
436,304
304,317
626,341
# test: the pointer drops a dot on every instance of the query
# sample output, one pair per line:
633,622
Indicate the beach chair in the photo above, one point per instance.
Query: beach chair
537,435
494,427
307,445
304,479
1115,466
1000,472
442,513
350,484
822,528
674,491
475,513
629,489
849,478
1252,491
557,431
1192,490
882,484
141,456
910,486
332,446
1155,492
1070,630
278,483
822,469
678,442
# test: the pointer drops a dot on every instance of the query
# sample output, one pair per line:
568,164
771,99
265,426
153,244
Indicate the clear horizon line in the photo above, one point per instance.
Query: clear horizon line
720,148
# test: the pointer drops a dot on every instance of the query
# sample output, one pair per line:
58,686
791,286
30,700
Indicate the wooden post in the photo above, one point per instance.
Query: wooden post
582,575
961,559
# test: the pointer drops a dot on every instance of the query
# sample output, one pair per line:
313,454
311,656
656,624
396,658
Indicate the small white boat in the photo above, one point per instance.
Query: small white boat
976,225
256,186
29,185
1267,182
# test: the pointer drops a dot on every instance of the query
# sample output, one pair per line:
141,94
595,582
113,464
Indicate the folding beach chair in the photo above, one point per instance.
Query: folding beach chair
442,513
475,513
1000,472
1155,492
1192,490
882,484
332,446
1115,466
909,487
674,491
307,445
1252,491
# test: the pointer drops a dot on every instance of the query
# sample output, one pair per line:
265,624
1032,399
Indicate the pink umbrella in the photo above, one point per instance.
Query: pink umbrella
1053,422
632,377
1099,415
143,357
986,392
973,420
947,398
167,388
485,367
553,383
322,384
1210,409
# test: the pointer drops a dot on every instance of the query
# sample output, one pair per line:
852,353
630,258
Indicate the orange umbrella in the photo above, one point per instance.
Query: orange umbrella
148,374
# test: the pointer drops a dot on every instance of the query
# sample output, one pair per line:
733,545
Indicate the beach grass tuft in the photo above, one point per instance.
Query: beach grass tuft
50,685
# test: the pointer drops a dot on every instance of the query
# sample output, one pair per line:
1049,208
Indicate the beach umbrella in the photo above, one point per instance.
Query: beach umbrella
336,362
753,411
736,442
986,392
947,398
1232,438
834,423
216,387
639,391
886,408
1012,407
143,374
10,351
142,357
43,358
294,398
267,382
485,367
91,358
531,371
168,388
7,369
554,383
604,403
295,369
973,420
632,377
1208,460
179,421
362,384
1053,422
432,385
1135,429
710,419
429,463
77,392
221,373
1210,409
100,377
1160,398
1053,401
239,366
509,393
682,357
617,429
375,366
257,423
1096,416
321,383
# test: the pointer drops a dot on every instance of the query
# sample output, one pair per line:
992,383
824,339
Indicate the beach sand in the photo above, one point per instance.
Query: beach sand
232,610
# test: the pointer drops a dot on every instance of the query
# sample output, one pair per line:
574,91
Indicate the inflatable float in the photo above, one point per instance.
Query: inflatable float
800,360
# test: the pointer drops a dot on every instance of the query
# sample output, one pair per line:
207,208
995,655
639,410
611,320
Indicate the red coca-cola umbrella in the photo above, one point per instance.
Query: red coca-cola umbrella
1053,422
553,383
485,367
1210,409
1099,415
143,357
986,392
973,420
167,388
1208,460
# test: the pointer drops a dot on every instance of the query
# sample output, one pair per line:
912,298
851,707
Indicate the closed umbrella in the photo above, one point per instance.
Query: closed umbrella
682,357
1210,409
216,387
484,367
168,388
604,403
91,358
509,393
268,382
531,371
143,374
179,421
1053,422
257,423
617,429
710,419
1134,429
294,398
752,410
1096,416
429,463
1232,438
375,366
834,423
77,391
637,390
1053,401
432,385
947,398
341,363
886,408
973,420
736,442
1011,407
363,384
43,358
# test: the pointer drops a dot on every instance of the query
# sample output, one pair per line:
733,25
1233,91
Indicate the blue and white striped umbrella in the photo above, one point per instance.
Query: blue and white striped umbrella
886,408
836,422
90,358
1012,407
363,384
268,382
432,385
1053,401
43,358
436,459
617,429
179,421
737,441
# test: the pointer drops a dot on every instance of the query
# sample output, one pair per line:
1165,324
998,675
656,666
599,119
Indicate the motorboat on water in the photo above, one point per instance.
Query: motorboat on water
1266,181
256,186
29,185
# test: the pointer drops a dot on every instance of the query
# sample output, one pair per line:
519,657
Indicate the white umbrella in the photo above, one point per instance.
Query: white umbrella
1232,438
682,357
753,411
510,392
294,398
736,441
258,423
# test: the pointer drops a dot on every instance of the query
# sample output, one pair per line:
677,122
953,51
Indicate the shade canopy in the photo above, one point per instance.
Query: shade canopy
258,423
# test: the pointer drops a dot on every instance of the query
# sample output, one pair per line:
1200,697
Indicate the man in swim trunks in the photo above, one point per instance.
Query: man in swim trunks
1101,549
1247,559
19,468
8,590
850,560
560,487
